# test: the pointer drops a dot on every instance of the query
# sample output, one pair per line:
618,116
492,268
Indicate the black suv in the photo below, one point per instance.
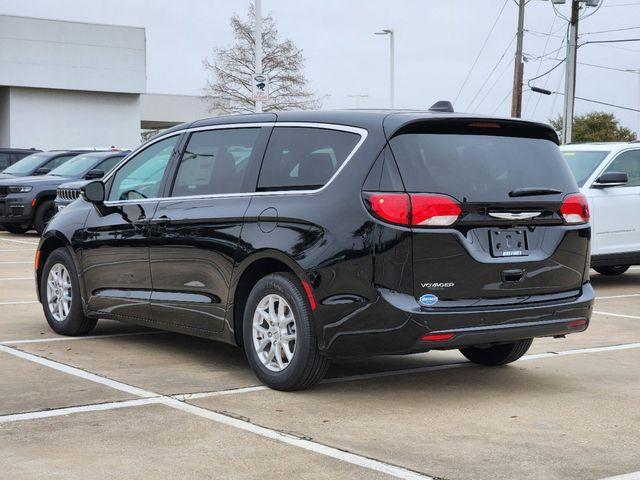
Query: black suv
27,202
9,156
314,236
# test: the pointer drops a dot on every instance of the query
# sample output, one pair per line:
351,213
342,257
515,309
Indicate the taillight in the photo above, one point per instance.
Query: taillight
414,210
390,207
437,337
575,209
434,210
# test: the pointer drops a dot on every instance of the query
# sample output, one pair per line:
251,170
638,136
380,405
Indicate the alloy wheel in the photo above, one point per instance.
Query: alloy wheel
274,332
59,292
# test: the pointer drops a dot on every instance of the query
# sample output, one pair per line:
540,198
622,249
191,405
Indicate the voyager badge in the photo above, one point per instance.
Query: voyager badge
428,300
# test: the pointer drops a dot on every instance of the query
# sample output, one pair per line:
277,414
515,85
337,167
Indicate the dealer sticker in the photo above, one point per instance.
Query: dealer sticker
428,300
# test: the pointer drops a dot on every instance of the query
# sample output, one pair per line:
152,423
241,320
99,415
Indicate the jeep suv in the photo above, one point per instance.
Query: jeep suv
306,237
609,176
28,202
9,156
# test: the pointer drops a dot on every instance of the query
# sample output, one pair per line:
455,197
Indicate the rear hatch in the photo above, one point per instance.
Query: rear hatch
495,214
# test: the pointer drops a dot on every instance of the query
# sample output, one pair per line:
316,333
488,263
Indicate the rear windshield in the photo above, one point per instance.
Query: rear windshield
28,164
584,163
479,168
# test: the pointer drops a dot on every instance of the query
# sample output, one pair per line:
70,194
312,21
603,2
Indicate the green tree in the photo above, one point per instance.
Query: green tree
596,127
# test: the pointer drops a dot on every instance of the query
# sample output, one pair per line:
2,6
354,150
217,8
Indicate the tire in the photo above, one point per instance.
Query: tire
306,366
74,323
16,229
497,354
612,271
45,211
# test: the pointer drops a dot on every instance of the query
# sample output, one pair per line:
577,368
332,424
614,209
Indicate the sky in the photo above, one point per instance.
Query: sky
437,42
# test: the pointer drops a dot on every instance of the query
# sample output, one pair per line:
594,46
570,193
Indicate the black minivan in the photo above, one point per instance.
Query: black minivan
312,236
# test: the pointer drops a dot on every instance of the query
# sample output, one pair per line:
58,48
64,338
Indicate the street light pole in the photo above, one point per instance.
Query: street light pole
258,47
392,67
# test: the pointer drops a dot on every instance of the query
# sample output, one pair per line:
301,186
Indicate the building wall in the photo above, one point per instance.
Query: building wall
43,53
5,141
57,119
158,110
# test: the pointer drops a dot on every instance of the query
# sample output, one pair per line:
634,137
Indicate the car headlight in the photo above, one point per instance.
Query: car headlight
20,189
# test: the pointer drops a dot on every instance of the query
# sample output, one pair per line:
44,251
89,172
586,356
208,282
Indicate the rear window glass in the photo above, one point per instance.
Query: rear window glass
304,158
478,168
583,163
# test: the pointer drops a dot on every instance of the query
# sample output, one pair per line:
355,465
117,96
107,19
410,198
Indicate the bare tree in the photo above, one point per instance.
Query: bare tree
230,84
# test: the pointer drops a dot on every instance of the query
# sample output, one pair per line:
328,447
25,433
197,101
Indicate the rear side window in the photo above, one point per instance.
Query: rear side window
216,162
479,168
304,158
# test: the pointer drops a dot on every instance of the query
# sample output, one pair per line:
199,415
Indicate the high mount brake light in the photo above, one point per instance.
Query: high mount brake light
415,209
575,209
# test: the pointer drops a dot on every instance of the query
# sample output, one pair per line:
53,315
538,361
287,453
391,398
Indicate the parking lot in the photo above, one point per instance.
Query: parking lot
138,403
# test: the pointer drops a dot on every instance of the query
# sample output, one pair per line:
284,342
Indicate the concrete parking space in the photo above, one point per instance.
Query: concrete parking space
138,403
155,442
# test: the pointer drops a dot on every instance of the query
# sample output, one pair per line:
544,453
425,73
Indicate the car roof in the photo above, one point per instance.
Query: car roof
601,146
103,155
393,119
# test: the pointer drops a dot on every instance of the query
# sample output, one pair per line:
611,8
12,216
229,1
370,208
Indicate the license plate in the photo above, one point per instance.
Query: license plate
509,243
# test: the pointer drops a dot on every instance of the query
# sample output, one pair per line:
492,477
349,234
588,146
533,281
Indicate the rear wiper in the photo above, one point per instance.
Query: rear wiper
531,192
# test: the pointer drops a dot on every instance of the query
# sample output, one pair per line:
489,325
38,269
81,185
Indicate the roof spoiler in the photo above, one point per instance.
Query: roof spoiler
442,106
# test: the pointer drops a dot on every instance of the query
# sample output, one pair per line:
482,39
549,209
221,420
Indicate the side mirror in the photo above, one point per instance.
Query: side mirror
93,174
42,171
611,179
93,192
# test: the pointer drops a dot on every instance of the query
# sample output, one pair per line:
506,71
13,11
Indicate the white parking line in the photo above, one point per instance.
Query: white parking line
627,476
16,278
411,371
26,302
23,242
21,262
61,367
7,250
58,412
616,315
610,297
244,425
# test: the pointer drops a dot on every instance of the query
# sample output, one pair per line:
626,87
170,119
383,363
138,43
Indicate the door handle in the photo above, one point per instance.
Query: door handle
161,222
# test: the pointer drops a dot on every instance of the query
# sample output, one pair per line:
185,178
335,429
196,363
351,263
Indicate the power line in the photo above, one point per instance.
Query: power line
481,50
544,51
610,31
491,73
493,85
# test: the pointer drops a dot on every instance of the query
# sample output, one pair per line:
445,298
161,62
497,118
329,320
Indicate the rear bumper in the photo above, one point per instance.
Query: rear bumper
406,324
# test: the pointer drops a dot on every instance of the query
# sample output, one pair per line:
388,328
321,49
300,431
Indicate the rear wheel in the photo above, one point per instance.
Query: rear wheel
497,354
612,271
279,336
15,228
45,212
60,295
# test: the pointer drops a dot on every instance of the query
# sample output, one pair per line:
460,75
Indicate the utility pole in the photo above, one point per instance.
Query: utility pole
258,52
518,71
570,75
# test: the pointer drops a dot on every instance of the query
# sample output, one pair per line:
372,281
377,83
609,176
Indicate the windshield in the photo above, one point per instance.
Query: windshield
479,168
583,163
76,167
27,164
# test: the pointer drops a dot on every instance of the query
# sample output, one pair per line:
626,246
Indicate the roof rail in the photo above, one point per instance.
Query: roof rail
442,106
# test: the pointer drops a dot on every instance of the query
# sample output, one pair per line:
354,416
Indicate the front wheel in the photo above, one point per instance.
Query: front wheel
60,295
279,336
17,229
612,271
497,354
43,216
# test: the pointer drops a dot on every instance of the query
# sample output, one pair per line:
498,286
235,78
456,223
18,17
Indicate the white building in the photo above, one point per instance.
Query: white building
71,84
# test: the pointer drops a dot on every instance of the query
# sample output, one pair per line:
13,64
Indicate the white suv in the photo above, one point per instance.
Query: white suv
609,175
